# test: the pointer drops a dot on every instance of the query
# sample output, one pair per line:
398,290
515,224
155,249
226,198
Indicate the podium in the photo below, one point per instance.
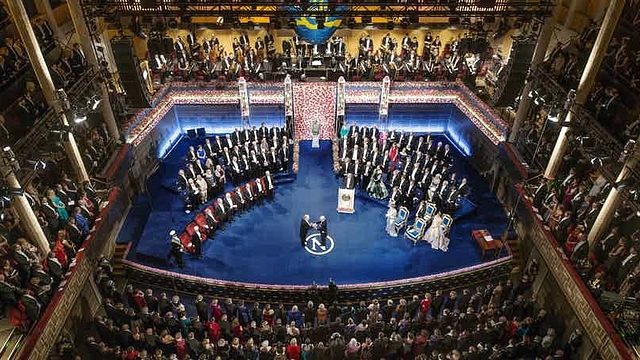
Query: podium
346,200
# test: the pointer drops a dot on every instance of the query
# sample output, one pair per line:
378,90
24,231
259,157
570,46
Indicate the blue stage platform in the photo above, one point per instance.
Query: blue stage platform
263,246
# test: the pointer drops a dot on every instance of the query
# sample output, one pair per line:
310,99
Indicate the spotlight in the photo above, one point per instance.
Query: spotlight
405,22
351,23
291,23
219,21
7,193
79,118
597,162
94,102
623,184
8,154
320,22
366,20
629,148
37,165
540,100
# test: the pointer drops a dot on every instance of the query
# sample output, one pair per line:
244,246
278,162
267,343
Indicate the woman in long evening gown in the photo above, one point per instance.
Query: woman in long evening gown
435,234
391,215
376,188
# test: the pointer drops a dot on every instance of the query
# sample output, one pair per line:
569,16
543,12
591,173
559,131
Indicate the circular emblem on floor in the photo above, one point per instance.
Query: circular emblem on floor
314,246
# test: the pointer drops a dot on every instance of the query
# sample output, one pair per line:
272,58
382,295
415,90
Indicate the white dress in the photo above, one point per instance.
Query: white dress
391,215
435,235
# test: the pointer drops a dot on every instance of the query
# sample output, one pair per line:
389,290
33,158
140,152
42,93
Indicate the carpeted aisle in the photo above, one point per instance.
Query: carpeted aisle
263,246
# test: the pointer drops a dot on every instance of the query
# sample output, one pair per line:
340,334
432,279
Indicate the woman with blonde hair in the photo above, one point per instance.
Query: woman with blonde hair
293,350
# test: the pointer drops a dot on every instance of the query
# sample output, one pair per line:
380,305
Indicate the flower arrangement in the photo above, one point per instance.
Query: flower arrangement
296,157
334,155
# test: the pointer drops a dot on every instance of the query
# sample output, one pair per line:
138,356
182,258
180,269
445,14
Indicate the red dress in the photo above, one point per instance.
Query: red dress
181,348
393,156
59,252
293,352
216,312
214,332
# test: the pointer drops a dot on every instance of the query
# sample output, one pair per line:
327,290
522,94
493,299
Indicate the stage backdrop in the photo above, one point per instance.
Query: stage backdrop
311,102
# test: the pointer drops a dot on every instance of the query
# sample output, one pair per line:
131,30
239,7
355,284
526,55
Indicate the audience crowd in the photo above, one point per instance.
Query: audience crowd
495,321
29,278
620,74
65,211
570,206
13,56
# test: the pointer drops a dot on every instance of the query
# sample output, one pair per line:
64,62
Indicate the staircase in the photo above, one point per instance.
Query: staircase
118,255
11,340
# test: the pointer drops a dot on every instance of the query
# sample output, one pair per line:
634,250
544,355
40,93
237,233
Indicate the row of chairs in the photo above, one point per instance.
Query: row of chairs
416,231
187,234
200,220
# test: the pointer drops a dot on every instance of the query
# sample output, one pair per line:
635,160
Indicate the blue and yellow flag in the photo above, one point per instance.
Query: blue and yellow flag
307,27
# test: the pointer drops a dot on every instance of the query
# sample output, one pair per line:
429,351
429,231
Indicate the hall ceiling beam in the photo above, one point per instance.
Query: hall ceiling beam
455,8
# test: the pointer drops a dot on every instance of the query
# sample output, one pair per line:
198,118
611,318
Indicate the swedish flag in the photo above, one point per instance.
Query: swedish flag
316,29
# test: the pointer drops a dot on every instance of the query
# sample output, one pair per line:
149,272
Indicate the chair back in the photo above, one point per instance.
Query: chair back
420,224
447,221
403,213
431,209
190,229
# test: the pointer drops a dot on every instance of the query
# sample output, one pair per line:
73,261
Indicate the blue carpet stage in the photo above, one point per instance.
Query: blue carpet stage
263,246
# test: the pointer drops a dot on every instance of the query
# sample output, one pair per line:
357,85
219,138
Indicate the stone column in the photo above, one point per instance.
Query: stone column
538,57
44,8
21,20
608,210
86,42
28,218
573,7
586,83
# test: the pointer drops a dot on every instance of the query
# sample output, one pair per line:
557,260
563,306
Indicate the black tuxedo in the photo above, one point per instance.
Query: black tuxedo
212,224
604,246
347,168
196,241
349,182
305,226
222,213
182,182
270,186
218,146
626,267
322,227
580,250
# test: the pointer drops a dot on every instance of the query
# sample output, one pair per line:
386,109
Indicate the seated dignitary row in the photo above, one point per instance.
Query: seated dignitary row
223,210
237,157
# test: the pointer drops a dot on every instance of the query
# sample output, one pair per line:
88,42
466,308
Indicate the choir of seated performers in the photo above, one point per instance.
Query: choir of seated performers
407,169
206,59
236,157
